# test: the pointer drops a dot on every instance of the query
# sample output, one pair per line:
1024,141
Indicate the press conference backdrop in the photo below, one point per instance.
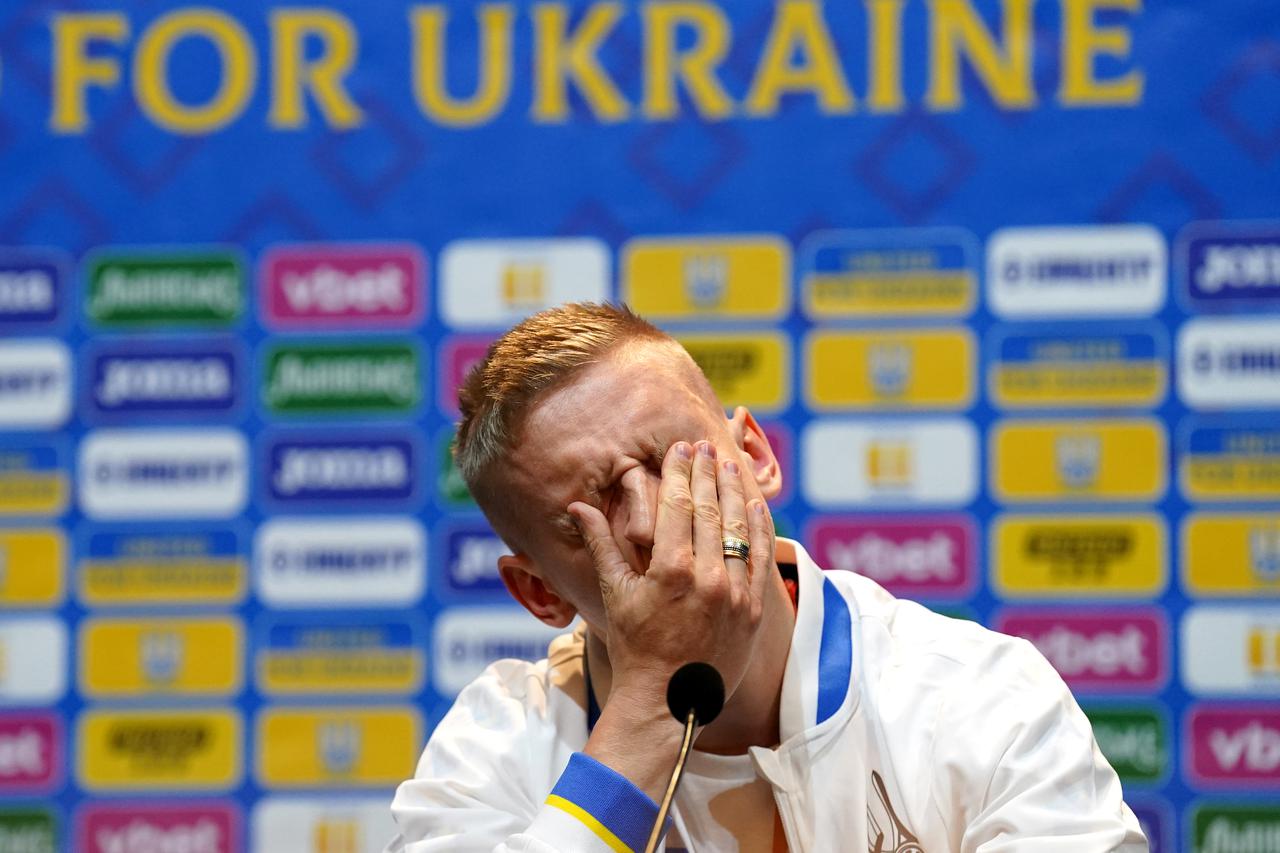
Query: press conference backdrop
1002,281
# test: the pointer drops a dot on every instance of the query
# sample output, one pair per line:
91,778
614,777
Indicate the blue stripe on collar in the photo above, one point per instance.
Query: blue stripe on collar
835,657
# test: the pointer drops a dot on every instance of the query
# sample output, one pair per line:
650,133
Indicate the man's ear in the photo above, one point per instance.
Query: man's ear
527,587
751,439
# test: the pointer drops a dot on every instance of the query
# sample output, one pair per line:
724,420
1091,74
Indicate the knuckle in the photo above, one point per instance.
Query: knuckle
707,511
736,527
678,501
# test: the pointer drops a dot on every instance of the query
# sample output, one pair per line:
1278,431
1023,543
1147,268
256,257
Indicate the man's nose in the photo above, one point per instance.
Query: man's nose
640,491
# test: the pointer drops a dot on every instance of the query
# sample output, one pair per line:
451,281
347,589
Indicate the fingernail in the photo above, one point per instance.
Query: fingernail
757,507
731,467
683,450
707,449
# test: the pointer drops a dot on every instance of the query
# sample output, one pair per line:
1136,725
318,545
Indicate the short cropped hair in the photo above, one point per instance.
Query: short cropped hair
537,356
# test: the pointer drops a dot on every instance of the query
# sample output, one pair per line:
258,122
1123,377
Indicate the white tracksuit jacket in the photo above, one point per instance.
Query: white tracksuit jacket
902,731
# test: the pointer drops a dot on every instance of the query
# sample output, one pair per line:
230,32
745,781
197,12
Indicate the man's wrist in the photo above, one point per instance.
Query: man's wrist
637,737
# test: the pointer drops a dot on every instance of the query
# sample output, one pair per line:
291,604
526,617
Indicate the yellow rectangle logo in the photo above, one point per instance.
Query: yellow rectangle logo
1087,367
898,369
905,272
174,657
752,370
1117,460
730,277
1231,461
314,657
161,750
32,567
191,567
339,747
1050,556
1231,554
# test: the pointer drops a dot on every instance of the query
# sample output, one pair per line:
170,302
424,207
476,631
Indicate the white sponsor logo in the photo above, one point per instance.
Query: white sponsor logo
1231,650
341,469
491,283
35,384
1077,271
128,381
918,560
33,661
23,755
178,473
340,562
322,825
1229,363
1106,653
890,463
466,640
1255,748
142,836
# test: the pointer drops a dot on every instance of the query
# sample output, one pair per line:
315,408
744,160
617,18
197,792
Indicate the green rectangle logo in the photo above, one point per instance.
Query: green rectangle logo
1134,740
371,377
181,288
28,830
1237,829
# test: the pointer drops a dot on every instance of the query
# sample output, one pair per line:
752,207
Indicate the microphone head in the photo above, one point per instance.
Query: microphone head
699,687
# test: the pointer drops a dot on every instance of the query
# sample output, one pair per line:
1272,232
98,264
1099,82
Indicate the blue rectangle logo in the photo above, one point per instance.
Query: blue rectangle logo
471,559
32,287
170,380
1225,265
340,470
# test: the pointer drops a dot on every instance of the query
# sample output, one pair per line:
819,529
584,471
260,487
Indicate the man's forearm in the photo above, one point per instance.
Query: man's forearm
638,738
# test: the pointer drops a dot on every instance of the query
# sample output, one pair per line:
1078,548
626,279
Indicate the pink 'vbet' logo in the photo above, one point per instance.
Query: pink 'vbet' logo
381,285
1097,649
914,556
1235,744
457,357
146,827
30,752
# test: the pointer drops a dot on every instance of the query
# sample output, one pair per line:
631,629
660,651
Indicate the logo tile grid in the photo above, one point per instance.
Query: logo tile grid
890,311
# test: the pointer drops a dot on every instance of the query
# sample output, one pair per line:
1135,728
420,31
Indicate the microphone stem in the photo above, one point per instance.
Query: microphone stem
690,722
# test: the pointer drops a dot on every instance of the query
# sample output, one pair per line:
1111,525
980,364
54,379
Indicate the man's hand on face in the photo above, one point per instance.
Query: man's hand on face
692,603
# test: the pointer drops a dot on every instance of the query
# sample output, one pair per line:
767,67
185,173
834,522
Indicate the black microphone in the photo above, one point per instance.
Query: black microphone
695,695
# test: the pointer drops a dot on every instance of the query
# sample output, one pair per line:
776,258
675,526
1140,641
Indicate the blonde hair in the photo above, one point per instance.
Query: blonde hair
535,357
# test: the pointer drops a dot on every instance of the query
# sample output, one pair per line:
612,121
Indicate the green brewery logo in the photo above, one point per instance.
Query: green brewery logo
1237,829
28,830
1134,740
371,377
196,288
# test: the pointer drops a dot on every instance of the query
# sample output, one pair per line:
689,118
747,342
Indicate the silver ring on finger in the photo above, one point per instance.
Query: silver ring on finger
735,547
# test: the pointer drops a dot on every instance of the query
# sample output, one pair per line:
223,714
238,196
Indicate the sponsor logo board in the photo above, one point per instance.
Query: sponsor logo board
1097,649
188,566
724,277
471,555
496,283
1084,271
1234,745
908,272
1230,461
187,287
151,827
365,468
338,747
1230,650
1233,265
1235,828
160,749
163,473
33,660
1084,368
925,461
346,284
1135,741
28,830
164,379
465,640
1156,819
32,567
458,355
136,657
348,561
751,370
321,824
30,752
368,377
1231,554
33,284
1067,460
32,480
1229,363
913,556
298,656
890,369
35,384
1055,556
